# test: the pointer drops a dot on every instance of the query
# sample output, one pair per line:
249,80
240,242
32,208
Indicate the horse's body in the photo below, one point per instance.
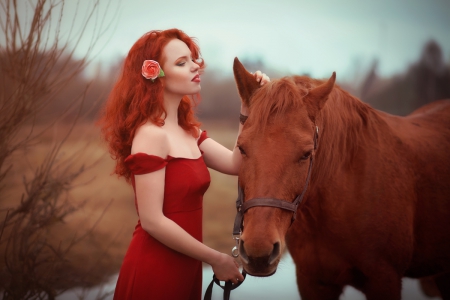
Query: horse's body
378,202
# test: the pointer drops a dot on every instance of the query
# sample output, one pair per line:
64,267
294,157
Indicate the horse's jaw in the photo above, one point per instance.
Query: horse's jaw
260,270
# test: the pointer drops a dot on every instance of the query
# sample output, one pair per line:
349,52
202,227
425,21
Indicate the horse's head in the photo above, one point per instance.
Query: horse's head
277,144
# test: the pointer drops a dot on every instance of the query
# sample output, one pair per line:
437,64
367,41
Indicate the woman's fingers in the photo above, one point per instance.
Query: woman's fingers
240,277
265,79
227,269
262,78
237,279
258,75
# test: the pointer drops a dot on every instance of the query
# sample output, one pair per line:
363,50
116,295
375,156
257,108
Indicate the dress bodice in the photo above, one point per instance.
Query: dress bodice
186,179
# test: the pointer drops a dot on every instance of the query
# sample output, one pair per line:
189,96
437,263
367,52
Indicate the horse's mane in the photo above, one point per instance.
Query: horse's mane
344,121
341,122
273,100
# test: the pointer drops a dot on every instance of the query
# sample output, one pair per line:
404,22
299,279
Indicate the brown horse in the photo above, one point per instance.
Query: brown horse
377,206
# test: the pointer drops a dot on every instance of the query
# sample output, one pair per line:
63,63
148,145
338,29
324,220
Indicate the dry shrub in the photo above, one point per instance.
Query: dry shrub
37,172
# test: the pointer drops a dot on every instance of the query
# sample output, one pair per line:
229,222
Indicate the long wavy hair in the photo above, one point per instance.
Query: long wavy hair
135,100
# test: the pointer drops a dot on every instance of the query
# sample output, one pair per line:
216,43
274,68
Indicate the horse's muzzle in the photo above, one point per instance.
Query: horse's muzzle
261,266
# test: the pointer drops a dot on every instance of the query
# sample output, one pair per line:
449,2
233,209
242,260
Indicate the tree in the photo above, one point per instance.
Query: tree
36,63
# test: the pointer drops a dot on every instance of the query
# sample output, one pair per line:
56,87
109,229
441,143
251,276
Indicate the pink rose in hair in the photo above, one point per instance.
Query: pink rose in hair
151,70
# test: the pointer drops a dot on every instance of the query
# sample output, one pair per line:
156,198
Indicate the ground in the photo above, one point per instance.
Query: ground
109,201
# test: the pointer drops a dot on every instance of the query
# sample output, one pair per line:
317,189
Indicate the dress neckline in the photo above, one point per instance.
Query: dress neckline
169,157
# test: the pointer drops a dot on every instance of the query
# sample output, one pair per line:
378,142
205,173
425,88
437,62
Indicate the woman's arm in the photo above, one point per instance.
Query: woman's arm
150,198
220,158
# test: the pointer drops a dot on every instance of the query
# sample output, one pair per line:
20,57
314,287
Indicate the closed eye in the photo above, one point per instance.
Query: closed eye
306,155
242,150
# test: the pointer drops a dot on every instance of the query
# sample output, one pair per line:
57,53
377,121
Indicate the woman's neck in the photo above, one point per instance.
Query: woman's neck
171,104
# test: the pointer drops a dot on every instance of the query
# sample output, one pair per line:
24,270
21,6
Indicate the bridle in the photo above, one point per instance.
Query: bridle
242,206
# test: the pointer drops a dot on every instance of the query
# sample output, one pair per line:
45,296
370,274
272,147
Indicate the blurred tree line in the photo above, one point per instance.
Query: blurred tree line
425,81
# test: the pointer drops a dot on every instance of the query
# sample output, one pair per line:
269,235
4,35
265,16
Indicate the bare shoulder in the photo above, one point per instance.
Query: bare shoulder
150,139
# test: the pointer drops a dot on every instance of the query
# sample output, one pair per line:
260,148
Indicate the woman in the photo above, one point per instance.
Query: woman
155,138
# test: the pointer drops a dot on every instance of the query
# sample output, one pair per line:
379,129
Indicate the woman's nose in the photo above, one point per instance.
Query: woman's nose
195,67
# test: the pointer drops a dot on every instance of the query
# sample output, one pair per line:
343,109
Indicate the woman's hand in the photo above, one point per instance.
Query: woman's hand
260,77
227,269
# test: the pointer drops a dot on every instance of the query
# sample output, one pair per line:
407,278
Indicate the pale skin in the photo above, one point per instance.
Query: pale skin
170,139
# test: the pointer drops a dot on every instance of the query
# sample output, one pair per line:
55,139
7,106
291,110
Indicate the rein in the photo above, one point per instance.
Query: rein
227,288
242,206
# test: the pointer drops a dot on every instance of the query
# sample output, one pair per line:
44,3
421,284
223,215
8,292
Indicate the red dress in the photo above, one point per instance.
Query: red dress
151,270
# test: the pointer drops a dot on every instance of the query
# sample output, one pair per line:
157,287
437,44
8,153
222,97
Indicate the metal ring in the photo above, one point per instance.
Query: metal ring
235,252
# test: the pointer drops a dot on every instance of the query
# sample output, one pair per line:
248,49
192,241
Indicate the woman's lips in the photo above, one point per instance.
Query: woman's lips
196,78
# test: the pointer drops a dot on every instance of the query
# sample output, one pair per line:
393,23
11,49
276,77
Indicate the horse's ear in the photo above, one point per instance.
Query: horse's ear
245,81
319,95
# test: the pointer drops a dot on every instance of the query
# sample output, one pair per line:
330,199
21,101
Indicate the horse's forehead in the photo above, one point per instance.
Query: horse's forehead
281,131
292,119
296,116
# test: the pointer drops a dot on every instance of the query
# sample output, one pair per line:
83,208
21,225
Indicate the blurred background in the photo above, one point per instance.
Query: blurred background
65,220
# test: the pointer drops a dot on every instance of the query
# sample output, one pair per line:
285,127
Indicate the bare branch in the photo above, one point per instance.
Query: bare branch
36,64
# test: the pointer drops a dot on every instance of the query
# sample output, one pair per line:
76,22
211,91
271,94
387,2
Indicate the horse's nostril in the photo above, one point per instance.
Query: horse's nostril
242,252
275,253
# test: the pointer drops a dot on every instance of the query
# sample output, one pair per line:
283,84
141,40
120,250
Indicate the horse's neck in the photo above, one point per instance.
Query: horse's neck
348,130
348,127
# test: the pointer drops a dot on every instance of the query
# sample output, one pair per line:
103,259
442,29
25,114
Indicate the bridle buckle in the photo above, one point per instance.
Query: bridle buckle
235,250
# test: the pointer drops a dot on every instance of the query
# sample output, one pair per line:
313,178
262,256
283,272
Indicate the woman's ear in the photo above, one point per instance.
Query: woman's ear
245,81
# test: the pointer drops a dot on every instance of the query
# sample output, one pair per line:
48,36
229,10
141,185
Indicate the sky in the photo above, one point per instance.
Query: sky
290,36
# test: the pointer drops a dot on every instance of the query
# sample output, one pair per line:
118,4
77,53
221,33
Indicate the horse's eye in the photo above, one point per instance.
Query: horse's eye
306,155
242,150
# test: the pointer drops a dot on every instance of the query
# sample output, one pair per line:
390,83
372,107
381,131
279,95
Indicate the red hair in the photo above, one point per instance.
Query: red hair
135,100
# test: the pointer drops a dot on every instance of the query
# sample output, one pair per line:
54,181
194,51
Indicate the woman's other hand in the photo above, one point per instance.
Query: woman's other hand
260,77
227,269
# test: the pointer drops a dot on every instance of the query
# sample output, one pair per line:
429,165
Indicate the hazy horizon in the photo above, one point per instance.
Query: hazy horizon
290,36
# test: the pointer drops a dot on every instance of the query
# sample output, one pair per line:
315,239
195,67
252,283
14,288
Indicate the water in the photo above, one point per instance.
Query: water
281,285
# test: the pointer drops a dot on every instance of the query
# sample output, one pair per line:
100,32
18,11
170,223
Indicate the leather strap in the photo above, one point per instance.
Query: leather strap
268,202
227,288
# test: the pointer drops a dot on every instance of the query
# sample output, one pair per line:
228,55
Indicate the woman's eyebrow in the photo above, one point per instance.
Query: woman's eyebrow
182,57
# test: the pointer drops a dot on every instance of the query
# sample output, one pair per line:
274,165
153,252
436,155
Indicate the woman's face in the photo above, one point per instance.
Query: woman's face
181,72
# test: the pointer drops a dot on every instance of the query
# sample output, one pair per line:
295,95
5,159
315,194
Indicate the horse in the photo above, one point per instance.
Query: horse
375,204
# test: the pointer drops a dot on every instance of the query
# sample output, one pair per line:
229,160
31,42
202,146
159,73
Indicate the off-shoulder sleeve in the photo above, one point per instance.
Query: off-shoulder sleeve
203,136
142,163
